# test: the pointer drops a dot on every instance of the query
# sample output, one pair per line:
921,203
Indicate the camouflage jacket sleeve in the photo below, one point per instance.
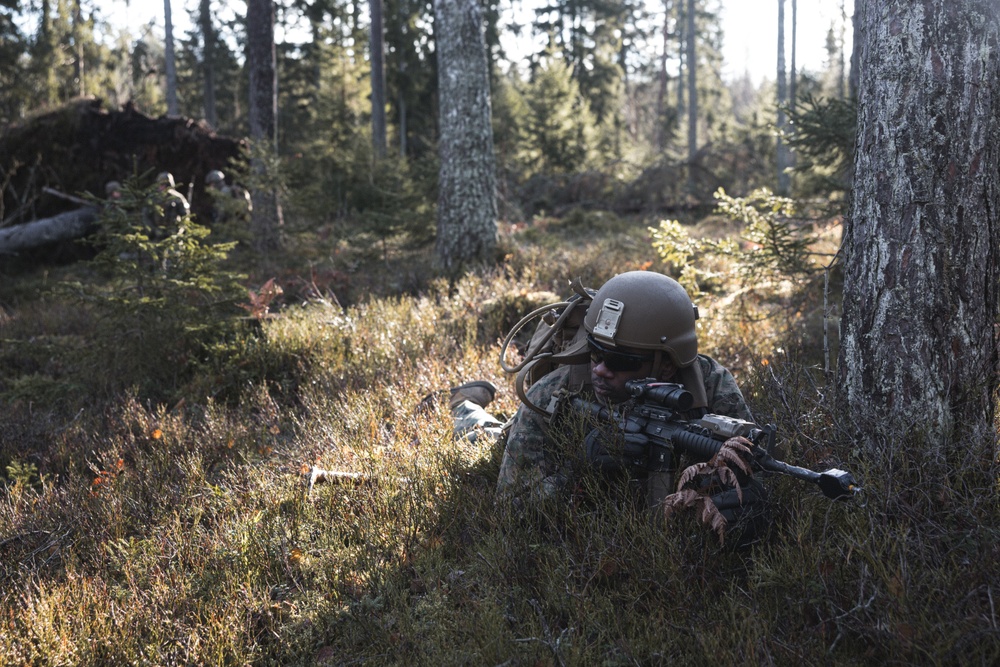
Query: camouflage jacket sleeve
529,463
724,396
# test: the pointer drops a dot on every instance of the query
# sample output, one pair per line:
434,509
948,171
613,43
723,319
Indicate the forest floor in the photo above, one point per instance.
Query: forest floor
156,505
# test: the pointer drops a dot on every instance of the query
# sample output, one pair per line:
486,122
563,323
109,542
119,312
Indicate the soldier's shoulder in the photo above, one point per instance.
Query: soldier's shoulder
724,395
549,383
710,366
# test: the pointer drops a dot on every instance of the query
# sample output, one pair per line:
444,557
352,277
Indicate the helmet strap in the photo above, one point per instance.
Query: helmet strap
657,364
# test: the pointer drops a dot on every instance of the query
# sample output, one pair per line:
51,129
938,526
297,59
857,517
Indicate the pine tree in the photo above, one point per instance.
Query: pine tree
267,219
467,210
919,352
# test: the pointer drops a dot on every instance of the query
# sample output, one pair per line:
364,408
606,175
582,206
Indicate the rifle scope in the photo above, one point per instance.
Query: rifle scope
667,394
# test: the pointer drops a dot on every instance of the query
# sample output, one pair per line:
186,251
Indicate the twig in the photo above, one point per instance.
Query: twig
19,536
319,476
62,195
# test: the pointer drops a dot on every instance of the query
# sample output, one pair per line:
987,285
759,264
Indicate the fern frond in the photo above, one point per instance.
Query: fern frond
678,501
734,451
712,517
692,472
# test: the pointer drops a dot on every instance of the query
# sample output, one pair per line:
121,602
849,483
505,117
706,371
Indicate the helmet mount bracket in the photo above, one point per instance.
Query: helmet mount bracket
607,320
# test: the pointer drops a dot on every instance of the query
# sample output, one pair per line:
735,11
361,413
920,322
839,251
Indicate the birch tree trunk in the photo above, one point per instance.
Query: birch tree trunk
467,207
266,219
918,348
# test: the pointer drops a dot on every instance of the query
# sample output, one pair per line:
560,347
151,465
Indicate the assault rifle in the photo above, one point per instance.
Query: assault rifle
653,431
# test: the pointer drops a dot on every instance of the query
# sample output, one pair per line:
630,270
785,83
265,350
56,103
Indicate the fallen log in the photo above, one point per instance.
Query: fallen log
63,227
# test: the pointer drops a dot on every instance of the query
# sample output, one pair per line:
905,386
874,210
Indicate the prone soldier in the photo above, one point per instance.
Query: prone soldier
638,325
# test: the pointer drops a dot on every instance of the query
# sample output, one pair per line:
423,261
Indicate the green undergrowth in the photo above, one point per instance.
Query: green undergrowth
186,531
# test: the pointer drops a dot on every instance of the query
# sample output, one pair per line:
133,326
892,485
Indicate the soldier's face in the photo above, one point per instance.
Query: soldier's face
609,385
611,368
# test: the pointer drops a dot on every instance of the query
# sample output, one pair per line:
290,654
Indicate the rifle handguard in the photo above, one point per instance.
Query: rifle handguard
654,416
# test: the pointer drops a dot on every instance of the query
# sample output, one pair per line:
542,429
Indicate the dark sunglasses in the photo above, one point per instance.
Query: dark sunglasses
614,361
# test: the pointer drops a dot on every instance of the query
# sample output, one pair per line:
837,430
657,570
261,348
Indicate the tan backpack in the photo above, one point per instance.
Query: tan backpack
559,339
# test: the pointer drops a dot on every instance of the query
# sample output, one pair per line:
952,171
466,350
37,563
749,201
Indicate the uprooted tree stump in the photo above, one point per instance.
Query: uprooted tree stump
79,147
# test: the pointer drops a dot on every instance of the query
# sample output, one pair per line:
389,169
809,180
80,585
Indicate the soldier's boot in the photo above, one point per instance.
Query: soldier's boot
479,392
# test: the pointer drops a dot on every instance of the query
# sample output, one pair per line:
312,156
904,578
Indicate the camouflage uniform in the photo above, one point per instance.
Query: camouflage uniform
231,206
165,209
472,421
532,460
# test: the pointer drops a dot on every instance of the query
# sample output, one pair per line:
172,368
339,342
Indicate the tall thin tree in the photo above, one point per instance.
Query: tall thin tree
80,61
681,50
781,149
208,61
793,79
661,92
378,79
841,65
692,84
168,55
266,222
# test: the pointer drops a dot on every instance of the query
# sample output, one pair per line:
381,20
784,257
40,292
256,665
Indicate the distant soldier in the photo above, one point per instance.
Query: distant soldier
167,207
113,191
231,206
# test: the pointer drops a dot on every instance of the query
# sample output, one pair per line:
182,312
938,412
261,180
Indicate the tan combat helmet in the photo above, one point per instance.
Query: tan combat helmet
646,311
165,178
214,177
111,188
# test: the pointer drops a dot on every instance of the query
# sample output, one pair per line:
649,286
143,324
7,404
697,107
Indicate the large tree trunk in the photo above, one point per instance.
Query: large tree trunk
467,208
921,251
266,222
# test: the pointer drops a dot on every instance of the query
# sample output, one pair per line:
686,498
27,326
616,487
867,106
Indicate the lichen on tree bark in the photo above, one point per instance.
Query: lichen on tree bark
467,212
920,248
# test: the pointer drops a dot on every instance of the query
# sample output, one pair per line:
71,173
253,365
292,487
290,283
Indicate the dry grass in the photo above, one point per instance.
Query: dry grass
185,533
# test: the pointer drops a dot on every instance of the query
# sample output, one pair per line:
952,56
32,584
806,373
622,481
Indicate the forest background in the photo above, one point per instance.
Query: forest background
159,432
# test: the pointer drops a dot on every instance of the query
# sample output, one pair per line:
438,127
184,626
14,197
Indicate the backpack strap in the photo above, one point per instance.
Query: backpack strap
538,342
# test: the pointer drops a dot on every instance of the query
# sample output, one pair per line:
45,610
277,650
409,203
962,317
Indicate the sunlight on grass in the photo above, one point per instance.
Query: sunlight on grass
186,532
